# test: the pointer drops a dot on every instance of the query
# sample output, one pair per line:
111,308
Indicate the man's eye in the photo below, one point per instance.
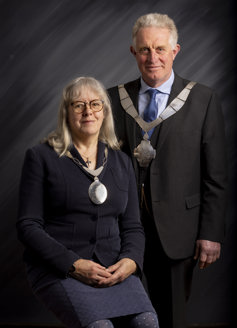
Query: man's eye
159,50
144,50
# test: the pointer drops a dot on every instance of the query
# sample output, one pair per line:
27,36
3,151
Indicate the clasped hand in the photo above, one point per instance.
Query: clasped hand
94,274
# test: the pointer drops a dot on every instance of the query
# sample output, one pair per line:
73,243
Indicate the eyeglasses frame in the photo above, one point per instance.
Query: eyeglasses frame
87,103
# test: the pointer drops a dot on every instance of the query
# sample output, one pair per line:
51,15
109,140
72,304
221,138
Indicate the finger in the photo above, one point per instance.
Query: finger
96,273
202,260
201,264
97,265
85,280
108,282
113,267
207,263
103,274
105,282
96,268
216,255
114,279
211,259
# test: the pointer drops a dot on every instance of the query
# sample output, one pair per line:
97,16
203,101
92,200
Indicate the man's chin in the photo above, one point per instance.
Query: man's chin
154,80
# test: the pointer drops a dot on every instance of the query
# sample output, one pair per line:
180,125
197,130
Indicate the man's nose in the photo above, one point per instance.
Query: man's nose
153,55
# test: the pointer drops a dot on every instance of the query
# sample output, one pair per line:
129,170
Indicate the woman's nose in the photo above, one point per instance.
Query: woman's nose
87,109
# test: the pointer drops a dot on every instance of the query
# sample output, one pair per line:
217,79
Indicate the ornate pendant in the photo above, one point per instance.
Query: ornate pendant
144,153
97,192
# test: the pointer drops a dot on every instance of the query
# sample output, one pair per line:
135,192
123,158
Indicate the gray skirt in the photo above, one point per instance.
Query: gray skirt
77,304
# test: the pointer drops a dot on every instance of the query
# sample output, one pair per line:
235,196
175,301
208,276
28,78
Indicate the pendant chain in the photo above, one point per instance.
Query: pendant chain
97,191
96,172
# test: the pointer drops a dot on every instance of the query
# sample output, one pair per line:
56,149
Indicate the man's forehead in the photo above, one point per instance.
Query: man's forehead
153,30
153,36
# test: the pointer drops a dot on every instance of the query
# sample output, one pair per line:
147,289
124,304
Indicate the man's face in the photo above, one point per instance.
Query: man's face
154,54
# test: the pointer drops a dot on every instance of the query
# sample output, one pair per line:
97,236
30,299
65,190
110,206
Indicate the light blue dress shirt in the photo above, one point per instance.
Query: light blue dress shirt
161,97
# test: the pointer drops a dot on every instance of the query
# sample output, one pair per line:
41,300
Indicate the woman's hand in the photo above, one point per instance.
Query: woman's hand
119,272
89,272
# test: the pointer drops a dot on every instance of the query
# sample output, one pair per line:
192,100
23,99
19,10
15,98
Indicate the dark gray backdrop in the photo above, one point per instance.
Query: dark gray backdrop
44,44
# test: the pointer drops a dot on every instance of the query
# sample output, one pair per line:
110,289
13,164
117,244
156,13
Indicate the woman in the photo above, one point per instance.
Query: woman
79,218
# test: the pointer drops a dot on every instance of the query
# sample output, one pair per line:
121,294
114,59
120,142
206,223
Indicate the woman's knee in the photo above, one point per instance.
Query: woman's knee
100,324
145,319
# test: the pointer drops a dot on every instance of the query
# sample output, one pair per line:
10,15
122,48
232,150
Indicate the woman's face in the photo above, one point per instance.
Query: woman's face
86,115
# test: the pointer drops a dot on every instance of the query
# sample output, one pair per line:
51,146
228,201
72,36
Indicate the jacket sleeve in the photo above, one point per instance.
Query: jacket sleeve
131,230
214,174
30,224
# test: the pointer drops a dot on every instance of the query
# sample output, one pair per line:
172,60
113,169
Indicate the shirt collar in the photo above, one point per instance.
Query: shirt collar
164,88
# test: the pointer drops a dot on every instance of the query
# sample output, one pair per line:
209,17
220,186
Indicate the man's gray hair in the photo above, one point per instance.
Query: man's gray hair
156,20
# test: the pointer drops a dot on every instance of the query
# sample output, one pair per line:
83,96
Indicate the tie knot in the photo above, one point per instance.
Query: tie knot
152,92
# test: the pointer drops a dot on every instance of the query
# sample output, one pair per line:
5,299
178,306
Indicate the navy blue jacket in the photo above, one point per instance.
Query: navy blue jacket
57,222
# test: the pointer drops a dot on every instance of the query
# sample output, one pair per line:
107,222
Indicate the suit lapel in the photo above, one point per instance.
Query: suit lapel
132,128
164,128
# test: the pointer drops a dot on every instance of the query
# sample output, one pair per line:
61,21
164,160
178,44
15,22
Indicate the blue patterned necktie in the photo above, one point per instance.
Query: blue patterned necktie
150,113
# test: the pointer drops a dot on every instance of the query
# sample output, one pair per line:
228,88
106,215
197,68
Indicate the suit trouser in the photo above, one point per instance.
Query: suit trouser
168,281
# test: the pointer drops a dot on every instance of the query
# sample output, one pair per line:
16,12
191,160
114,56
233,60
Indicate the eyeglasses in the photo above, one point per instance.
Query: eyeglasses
79,106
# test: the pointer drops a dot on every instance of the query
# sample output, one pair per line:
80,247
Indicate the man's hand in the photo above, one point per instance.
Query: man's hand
207,252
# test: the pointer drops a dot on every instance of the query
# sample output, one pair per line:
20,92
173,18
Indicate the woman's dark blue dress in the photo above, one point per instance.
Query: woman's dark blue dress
59,224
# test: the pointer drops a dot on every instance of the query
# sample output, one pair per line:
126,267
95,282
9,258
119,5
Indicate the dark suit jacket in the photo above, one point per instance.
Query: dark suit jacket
188,176
58,223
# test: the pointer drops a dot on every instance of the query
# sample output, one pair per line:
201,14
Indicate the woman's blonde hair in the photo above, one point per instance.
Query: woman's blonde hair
61,138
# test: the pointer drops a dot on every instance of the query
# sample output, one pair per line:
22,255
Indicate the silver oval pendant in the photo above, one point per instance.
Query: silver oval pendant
97,192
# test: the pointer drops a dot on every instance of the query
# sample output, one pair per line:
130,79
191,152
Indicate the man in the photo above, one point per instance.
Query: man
180,166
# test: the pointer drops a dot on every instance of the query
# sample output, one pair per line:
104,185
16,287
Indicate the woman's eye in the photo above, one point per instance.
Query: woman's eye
79,105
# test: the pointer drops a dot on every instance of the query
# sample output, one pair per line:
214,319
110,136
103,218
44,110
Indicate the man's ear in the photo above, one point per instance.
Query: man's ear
133,51
176,50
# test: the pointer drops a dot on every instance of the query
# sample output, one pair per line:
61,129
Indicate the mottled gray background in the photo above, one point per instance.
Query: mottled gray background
44,44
